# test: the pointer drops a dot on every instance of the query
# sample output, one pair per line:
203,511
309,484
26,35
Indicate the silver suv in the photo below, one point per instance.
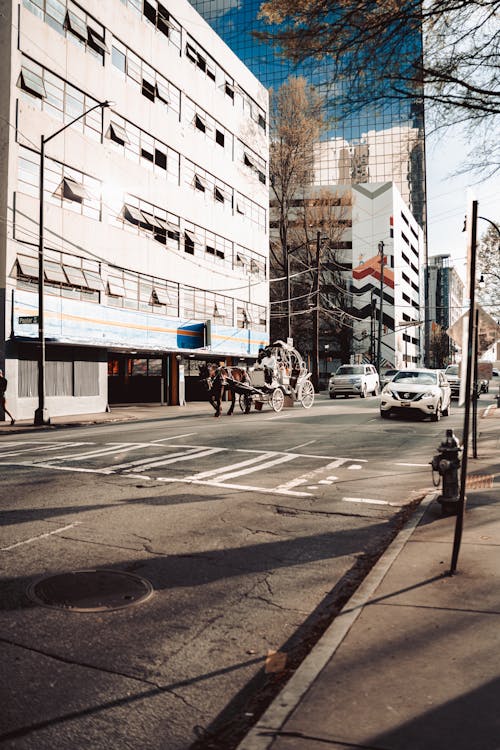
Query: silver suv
354,380
453,377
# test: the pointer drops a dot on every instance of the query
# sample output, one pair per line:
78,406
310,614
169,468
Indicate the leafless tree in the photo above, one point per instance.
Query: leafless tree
374,49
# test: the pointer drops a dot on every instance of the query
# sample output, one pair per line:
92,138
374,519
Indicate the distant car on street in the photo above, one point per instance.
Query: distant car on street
354,380
417,390
387,376
453,377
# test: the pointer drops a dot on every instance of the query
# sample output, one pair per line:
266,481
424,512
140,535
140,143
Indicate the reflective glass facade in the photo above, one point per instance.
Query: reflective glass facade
379,143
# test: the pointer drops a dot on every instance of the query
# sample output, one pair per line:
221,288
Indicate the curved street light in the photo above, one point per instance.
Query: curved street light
41,413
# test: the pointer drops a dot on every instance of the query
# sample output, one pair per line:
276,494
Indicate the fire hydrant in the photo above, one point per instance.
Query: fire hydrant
447,463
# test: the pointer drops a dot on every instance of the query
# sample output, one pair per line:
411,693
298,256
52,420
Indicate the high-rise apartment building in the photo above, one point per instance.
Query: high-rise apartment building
378,143
445,292
141,140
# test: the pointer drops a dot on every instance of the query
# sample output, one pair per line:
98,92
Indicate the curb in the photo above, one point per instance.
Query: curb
263,734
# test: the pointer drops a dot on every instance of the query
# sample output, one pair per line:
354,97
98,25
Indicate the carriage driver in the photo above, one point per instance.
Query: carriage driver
268,361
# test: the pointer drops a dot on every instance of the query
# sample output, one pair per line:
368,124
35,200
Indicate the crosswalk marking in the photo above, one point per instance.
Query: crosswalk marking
304,478
173,460
148,461
153,456
40,448
122,447
248,470
248,462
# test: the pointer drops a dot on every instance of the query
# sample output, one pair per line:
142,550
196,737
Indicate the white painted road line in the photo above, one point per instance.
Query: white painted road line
174,437
113,448
143,461
40,536
304,478
171,460
239,487
301,445
39,449
368,500
259,467
223,469
414,465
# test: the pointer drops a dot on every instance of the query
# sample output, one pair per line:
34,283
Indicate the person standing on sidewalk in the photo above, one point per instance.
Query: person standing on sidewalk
3,402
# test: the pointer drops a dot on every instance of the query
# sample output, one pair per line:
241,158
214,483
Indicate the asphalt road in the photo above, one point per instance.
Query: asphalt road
252,530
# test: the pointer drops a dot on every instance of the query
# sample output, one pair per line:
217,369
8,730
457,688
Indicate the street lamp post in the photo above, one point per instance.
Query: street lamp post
381,307
41,413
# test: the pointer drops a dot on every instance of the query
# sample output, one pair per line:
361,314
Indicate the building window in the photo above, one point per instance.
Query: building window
118,134
199,183
32,82
73,191
152,84
148,89
71,21
189,241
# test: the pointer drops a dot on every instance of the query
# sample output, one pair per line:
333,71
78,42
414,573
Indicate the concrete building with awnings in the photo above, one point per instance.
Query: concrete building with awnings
154,232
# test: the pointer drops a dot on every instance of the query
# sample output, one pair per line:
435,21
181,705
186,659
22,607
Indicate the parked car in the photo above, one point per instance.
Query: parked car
354,380
387,376
417,390
453,378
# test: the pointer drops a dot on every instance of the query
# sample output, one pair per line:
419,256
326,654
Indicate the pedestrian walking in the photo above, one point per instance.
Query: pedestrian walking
3,402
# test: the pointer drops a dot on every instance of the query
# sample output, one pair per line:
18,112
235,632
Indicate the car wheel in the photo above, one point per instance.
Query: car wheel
363,392
375,391
446,412
385,414
333,395
437,414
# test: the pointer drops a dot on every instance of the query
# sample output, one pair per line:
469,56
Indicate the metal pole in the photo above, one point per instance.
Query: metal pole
41,413
315,362
381,306
372,328
475,393
41,416
288,301
465,438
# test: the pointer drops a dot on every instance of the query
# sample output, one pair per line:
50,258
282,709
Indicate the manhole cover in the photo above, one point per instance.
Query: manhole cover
90,590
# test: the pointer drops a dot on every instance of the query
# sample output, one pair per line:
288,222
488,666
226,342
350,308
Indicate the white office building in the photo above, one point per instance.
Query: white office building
155,203
382,225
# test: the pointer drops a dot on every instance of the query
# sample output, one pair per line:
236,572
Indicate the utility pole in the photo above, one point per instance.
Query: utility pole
381,307
288,301
471,247
315,359
372,326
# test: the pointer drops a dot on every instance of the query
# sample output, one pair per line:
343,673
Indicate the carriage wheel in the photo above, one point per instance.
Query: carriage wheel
242,401
277,399
307,394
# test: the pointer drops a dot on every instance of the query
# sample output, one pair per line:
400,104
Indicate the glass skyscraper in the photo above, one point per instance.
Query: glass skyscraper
378,143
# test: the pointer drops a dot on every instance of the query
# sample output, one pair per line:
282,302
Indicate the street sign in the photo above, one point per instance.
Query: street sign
27,319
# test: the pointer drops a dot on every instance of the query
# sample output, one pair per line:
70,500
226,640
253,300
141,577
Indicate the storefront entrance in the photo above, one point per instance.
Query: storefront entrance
137,378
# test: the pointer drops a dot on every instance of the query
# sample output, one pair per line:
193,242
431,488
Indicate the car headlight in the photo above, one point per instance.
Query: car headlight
356,380
428,394
387,391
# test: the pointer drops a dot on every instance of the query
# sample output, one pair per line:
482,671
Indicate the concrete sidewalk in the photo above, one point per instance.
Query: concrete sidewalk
119,413
413,660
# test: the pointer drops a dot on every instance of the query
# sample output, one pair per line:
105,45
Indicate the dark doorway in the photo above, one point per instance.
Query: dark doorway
137,378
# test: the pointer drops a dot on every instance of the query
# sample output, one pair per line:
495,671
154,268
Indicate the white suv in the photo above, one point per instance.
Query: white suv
355,380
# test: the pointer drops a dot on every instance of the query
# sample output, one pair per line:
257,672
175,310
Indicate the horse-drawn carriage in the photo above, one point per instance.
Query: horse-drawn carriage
279,372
